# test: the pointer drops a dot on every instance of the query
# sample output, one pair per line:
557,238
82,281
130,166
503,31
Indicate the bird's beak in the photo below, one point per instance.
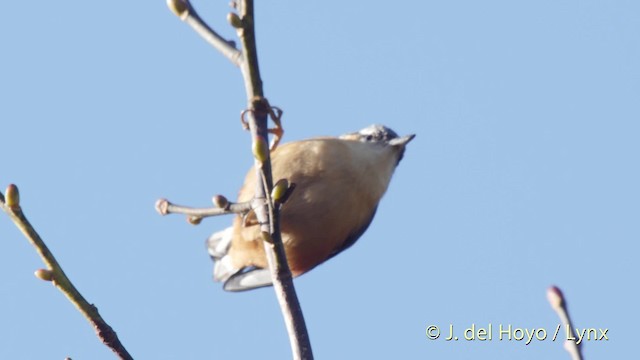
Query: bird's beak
401,141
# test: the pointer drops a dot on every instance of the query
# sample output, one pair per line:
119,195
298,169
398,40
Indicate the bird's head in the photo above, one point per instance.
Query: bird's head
380,134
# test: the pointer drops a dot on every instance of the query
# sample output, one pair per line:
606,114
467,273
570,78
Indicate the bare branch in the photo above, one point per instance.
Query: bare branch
164,207
255,118
186,13
269,215
559,304
56,275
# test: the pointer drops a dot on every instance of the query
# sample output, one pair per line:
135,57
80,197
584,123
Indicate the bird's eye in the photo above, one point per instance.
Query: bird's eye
368,138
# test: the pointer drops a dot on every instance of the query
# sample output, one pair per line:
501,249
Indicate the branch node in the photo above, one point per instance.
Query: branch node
179,8
286,195
44,274
234,20
279,189
266,237
162,206
260,149
556,300
13,197
220,202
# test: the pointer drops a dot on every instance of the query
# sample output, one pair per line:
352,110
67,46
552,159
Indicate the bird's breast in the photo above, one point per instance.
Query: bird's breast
338,186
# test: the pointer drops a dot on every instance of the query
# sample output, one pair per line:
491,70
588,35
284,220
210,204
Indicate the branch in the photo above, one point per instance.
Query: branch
269,216
195,215
559,304
186,13
54,273
258,112
280,194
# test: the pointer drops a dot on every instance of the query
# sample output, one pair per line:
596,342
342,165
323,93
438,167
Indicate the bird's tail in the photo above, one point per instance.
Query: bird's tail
235,279
218,245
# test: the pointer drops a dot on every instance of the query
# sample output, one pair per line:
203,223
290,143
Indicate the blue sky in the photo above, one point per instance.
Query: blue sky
524,173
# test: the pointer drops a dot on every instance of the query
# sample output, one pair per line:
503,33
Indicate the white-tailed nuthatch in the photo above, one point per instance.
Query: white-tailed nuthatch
339,182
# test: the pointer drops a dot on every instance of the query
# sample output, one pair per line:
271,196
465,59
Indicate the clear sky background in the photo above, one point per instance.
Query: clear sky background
524,173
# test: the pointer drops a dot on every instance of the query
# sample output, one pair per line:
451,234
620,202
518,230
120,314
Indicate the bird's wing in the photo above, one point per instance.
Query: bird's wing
247,279
353,237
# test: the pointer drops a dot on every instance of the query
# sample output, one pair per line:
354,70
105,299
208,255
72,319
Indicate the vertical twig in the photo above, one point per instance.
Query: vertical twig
266,214
258,113
559,304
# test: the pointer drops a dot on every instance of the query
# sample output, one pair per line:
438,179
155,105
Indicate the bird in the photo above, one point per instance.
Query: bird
339,184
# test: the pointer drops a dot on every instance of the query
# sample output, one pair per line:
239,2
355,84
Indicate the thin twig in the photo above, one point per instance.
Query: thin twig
258,112
186,13
165,207
56,275
559,304
278,265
